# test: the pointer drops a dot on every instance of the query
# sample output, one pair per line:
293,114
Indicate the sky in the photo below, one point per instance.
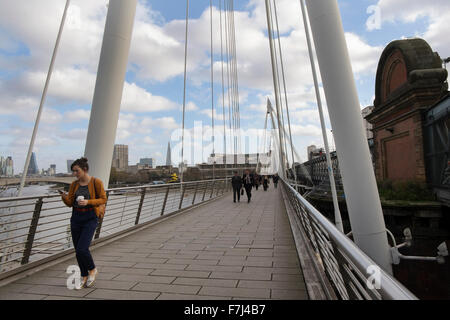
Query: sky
153,91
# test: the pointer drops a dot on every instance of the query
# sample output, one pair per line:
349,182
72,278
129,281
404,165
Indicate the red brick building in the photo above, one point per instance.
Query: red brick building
409,79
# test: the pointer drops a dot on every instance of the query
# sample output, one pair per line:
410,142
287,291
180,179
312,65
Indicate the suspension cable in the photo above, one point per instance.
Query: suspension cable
230,101
238,116
275,84
184,92
337,213
283,139
223,90
41,105
285,90
212,89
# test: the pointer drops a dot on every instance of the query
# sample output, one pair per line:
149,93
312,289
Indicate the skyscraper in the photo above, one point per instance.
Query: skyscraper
310,150
169,156
2,166
120,156
9,167
33,168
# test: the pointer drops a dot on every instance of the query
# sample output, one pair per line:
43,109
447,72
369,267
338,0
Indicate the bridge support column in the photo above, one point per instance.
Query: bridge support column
363,202
109,86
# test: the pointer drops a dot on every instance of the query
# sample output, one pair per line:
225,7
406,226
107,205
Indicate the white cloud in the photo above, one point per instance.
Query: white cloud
168,123
306,130
364,57
409,11
75,134
191,106
137,99
149,140
77,115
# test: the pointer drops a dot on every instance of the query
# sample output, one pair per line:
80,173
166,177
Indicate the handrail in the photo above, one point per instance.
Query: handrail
47,196
120,216
345,252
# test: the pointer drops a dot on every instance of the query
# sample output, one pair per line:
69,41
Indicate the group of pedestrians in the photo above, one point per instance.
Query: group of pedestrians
249,181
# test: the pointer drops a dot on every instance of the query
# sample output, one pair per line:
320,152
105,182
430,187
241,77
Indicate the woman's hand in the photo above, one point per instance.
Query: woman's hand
83,203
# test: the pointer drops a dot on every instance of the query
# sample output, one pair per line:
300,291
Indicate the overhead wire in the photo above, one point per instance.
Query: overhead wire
223,87
212,89
283,139
285,89
184,91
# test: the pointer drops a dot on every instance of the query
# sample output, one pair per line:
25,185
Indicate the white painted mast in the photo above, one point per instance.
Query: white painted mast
109,87
363,202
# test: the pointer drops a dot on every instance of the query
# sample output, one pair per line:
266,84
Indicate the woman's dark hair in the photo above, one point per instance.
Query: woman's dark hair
82,163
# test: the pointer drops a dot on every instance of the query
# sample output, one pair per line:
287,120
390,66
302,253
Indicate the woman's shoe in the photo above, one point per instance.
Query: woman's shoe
82,284
91,279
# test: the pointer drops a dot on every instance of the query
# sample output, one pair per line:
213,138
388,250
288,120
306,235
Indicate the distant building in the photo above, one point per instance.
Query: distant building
147,161
33,168
314,152
2,166
311,149
120,157
367,125
9,167
69,164
52,170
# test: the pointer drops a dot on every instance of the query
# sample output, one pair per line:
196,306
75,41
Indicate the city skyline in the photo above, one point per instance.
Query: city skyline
152,97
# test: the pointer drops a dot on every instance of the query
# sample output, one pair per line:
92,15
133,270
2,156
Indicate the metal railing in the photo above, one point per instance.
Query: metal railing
36,227
351,273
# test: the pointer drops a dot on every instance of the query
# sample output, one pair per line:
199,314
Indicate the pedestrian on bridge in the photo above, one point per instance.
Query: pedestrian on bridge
86,196
257,181
236,182
265,183
275,180
247,180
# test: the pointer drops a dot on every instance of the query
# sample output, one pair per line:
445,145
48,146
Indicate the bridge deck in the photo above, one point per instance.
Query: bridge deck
222,250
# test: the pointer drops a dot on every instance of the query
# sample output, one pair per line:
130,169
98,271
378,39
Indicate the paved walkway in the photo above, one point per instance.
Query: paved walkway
222,250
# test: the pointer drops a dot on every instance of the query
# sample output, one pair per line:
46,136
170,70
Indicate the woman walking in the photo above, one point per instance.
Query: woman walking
85,196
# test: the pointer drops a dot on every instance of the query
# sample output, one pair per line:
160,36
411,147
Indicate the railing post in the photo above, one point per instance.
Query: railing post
165,201
195,193
218,189
182,196
204,192
212,189
138,215
100,220
32,231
